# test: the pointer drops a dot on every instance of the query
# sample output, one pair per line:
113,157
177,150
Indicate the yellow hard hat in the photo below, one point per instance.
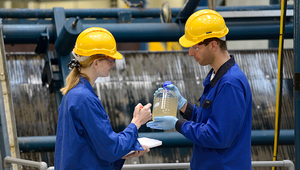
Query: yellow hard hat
202,25
96,40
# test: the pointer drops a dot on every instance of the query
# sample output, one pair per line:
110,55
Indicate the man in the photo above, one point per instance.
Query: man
221,127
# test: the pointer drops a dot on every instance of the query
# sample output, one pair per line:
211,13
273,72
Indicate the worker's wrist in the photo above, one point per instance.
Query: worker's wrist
183,107
181,102
137,124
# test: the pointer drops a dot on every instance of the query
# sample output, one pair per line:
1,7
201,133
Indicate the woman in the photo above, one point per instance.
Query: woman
85,138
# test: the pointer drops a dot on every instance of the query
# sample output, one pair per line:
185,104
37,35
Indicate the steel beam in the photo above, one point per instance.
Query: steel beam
297,81
188,9
4,144
59,21
8,121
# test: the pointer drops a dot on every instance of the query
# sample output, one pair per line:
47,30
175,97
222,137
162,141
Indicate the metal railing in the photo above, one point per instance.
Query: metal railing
158,166
9,160
285,163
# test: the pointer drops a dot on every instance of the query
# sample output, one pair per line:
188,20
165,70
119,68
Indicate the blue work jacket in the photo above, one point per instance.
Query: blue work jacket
85,138
221,127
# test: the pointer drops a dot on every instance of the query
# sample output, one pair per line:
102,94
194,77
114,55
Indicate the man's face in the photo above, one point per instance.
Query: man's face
201,54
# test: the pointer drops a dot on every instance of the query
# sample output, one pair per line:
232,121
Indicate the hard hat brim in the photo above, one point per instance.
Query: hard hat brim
183,41
117,56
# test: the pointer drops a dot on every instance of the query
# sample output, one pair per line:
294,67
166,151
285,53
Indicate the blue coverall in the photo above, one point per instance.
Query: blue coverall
221,127
85,138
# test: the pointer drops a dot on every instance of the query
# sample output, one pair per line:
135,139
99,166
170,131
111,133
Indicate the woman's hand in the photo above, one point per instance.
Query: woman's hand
141,115
137,153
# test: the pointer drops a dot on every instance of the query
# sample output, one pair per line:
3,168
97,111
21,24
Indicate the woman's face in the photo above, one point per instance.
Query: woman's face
104,66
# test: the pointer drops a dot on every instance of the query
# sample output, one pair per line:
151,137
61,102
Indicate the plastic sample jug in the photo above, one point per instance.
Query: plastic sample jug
165,102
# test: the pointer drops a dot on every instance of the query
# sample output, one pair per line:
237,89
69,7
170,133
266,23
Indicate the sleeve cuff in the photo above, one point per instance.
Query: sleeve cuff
188,112
138,146
134,128
178,124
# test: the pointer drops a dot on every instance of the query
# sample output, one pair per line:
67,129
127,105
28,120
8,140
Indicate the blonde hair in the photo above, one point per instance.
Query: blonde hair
73,78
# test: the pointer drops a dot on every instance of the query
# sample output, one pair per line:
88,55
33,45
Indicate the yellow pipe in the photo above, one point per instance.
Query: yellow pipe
278,83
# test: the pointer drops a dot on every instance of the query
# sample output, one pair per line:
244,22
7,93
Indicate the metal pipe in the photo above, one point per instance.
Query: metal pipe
26,34
266,137
157,166
285,163
169,139
37,143
289,164
9,160
189,7
143,32
113,12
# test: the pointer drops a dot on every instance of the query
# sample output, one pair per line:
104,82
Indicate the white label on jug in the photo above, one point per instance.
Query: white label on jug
156,104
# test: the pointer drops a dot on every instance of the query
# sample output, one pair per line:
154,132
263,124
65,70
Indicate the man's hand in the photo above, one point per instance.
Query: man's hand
181,100
163,123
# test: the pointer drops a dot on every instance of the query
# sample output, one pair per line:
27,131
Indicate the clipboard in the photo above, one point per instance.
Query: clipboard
151,143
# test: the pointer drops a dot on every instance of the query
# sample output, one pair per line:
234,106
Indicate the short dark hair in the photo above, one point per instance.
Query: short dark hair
222,44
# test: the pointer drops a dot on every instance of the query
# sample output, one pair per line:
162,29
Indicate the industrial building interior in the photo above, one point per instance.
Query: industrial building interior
37,37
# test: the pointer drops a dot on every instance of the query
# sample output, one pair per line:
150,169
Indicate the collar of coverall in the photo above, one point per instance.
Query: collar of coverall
222,70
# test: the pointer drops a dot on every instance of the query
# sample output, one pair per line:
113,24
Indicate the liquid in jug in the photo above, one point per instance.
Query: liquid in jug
165,102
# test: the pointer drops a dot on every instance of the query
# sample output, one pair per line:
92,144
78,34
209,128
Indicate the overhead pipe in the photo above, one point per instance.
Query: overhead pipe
113,12
26,33
143,32
169,139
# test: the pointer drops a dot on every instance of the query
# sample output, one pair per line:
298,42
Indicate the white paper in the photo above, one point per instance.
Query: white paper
151,143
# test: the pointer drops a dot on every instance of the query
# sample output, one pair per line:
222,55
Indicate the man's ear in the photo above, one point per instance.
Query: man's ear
214,45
